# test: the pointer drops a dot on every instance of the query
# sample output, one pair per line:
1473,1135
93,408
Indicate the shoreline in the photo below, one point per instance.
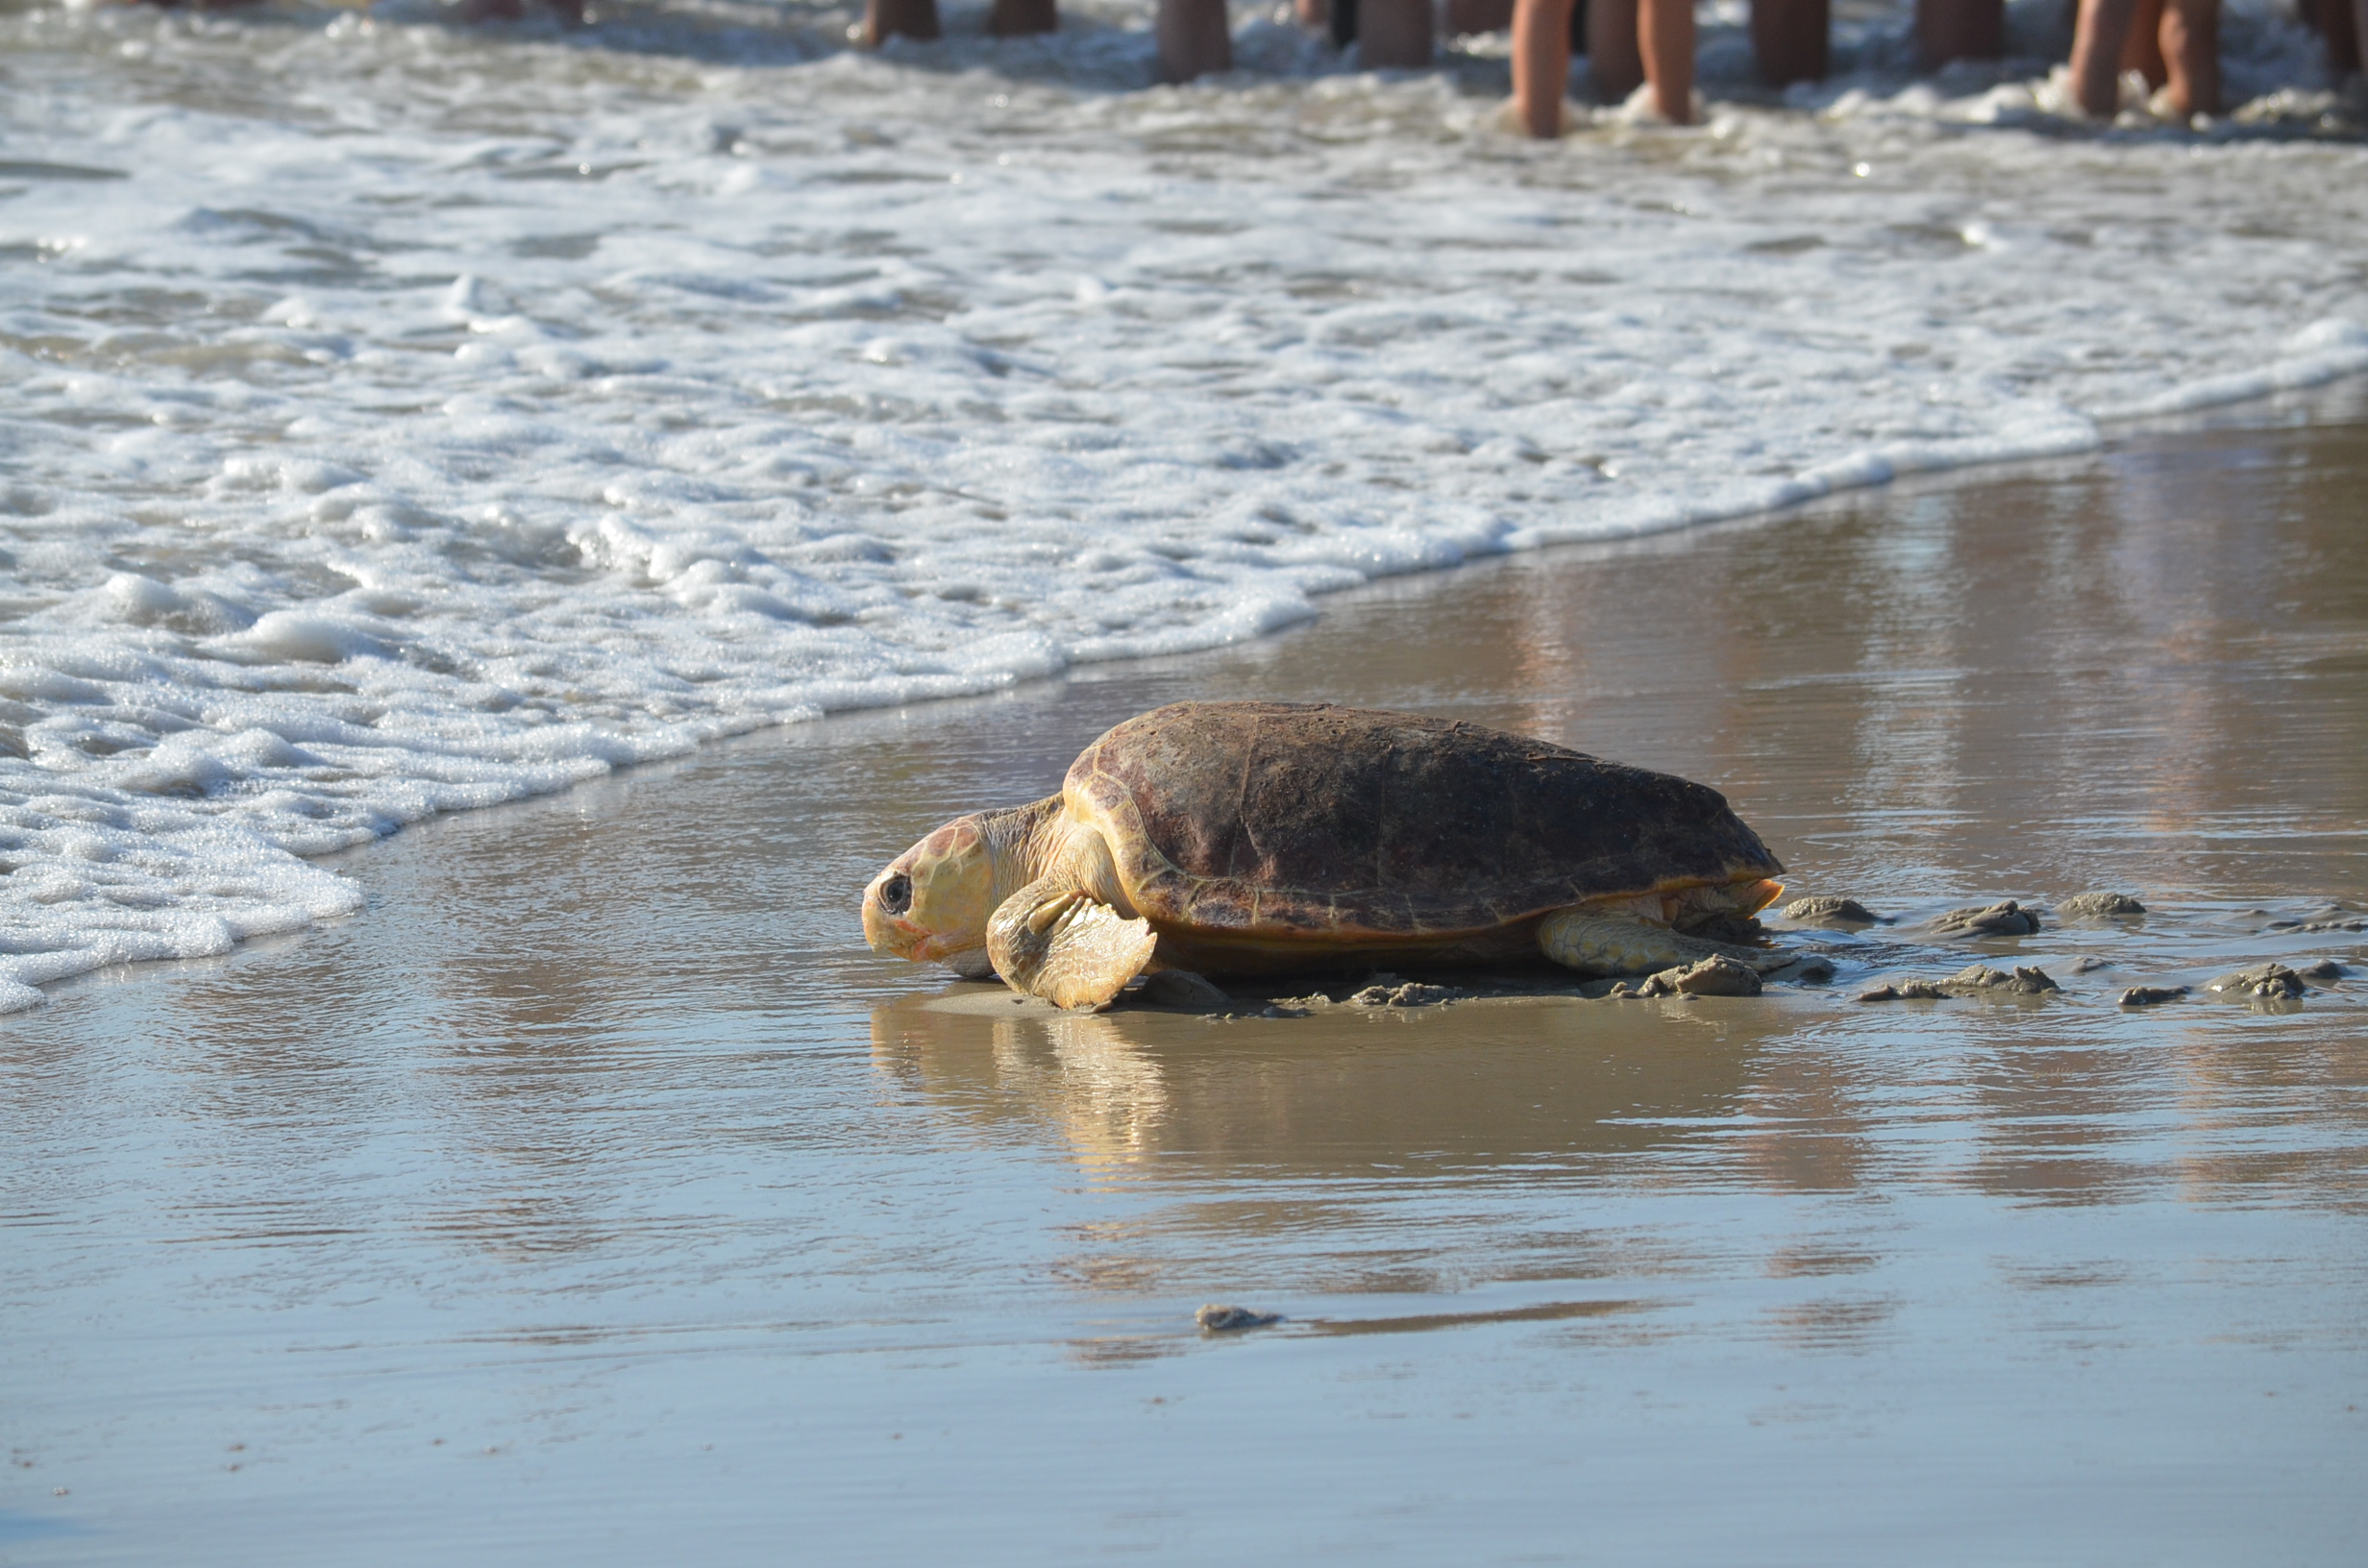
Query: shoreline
2341,405
2339,396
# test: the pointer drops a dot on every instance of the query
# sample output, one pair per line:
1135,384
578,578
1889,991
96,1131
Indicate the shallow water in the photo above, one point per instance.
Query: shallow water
595,1194
399,418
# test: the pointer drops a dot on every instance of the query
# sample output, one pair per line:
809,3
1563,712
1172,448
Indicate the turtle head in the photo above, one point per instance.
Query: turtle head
932,902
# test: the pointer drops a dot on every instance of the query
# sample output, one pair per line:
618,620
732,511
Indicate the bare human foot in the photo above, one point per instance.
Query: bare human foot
1629,42
2186,45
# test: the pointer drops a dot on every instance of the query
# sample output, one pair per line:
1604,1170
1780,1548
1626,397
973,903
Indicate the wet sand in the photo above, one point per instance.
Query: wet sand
597,1195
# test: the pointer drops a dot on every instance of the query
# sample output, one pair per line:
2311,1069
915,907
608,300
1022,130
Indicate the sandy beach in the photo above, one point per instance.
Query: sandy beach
595,1195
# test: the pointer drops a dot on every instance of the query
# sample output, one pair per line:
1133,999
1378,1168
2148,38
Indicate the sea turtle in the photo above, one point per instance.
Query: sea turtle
1234,838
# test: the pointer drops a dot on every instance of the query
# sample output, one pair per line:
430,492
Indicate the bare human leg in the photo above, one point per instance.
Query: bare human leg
1193,38
2097,40
2190,37
1629,41
1612,52
1394,34
885,19
2143,52
1790,37
1947,30
1476,17
1665,36
2343,26
1541,63
1012,18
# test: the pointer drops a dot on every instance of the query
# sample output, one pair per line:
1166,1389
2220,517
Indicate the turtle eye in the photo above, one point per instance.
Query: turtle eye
896,894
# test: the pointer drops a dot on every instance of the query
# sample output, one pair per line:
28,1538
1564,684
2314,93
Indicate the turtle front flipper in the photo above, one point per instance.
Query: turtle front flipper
1596,943
1055,940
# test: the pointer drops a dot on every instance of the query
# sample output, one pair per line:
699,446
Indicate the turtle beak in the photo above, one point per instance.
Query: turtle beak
932,904
886,903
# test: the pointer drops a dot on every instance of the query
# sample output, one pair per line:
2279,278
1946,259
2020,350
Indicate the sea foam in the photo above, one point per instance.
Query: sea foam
402,419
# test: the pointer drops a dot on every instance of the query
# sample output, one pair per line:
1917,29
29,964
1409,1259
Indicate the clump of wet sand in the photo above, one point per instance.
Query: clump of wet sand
1829,910
1713,976
2094,906
1975,980
2008,918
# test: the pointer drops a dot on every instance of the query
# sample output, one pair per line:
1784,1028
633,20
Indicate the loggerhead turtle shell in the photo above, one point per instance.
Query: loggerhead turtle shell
1313,821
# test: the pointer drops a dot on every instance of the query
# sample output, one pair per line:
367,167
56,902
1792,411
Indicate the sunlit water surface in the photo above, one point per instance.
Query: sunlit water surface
596,1198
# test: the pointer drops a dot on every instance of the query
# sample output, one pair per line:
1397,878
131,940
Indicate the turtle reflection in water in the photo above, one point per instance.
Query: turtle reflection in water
1245,838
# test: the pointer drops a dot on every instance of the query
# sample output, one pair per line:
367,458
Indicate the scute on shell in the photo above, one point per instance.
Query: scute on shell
1289,817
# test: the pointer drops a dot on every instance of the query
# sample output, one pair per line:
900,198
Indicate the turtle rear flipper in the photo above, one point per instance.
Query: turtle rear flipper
1594,942
1053,939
